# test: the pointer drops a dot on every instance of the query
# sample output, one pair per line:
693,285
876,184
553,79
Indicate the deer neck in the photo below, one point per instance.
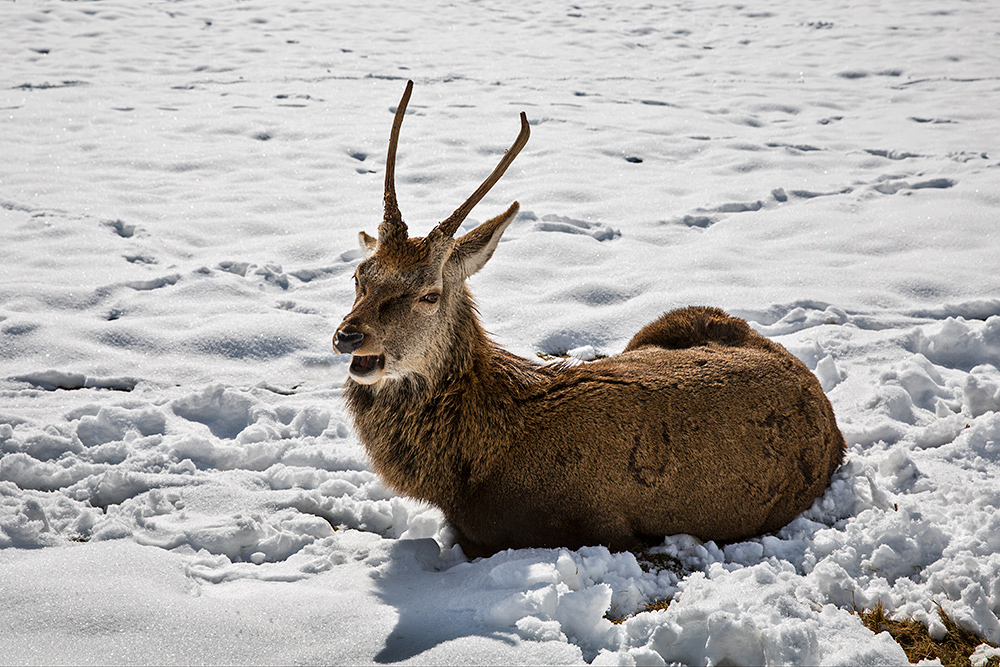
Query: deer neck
433,436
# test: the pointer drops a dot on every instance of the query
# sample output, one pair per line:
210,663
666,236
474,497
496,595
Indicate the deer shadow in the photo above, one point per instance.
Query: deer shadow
434,605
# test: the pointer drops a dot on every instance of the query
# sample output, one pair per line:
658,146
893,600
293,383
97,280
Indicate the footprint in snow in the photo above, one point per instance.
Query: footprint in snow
799,148
703,219
891,187
361,156
287,100
308,275
890,155
781,195
153,283
122,229
738,207
230,266
559,223
700,221
273,272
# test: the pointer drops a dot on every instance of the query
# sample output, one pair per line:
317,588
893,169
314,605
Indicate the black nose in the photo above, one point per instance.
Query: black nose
345,342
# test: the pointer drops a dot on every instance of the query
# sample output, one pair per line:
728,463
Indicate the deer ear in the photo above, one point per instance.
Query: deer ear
367,243
474,249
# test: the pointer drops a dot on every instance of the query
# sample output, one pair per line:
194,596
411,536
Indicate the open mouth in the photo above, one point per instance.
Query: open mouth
362,366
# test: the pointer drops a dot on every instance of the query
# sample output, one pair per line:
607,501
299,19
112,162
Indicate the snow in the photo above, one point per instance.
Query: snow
181,186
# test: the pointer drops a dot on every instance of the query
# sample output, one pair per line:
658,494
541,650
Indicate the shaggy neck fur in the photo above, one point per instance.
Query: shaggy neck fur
424,429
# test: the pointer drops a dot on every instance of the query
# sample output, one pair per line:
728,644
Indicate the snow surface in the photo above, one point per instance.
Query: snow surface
181,185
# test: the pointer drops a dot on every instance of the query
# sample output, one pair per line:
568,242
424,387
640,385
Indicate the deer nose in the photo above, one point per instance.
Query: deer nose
346,342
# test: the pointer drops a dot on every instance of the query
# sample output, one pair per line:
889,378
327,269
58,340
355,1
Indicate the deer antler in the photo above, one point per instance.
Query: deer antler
393,227
450,225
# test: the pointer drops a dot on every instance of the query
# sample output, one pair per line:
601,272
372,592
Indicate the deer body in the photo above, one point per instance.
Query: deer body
701,426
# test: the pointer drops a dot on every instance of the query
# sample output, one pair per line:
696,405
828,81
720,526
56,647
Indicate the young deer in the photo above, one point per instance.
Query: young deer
700,426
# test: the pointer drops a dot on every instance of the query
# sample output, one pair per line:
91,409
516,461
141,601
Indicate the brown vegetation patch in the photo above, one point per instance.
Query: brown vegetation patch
655,605
912,636
651,562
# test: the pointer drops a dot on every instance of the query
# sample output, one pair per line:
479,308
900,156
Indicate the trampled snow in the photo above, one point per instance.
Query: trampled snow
181,185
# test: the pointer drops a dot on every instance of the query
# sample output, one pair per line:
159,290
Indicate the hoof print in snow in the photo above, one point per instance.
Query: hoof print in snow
890,155
933,121
781,195
702,219
559,223
308,275
238,268
153,283
657,103
273,274
795,148
890,187
699,221
739,207
361,156
286,100
122,229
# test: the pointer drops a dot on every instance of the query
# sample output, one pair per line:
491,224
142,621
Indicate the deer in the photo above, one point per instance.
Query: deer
701,425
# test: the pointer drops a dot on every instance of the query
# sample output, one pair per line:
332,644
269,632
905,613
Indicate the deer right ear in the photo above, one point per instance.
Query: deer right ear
367,243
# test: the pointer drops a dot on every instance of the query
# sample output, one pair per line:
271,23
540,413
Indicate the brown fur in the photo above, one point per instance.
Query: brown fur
701,426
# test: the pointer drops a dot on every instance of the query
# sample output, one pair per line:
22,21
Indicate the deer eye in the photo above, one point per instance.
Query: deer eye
431,297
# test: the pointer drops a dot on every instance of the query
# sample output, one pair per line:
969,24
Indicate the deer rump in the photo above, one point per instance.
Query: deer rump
701,426
723,438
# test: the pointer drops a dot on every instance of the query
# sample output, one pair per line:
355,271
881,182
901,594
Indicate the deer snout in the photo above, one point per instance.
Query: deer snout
347,342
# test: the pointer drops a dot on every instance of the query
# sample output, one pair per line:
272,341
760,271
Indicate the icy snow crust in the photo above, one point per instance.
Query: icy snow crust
181,185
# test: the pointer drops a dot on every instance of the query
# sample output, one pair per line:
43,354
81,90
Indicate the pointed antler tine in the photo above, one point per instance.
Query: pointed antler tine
392,222
451,224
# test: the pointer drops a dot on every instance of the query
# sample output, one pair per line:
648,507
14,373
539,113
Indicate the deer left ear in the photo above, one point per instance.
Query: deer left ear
474,249
367,243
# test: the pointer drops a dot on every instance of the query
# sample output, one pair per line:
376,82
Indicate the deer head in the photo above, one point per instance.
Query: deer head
410,294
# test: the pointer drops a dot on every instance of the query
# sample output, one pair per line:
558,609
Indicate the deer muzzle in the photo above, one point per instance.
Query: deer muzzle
346,342
365,368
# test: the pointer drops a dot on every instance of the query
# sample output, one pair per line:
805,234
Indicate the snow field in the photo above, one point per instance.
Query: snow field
181,185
